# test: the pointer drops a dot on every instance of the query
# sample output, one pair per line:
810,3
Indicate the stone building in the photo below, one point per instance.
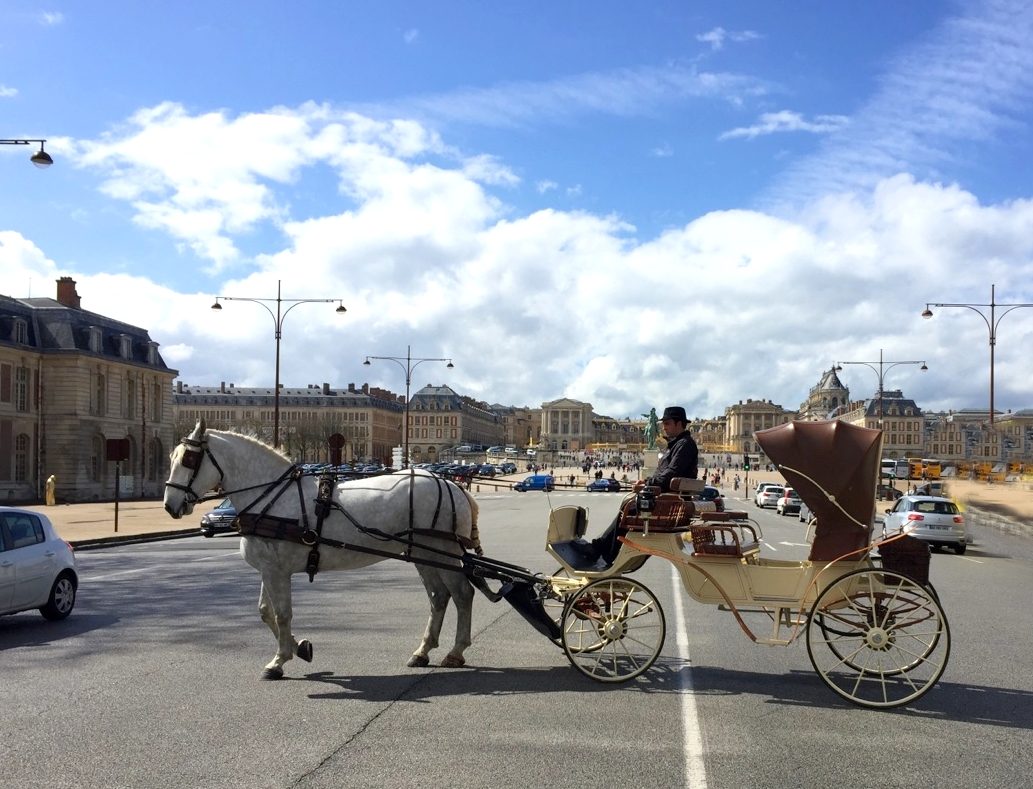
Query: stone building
566,425
900,419
746,418
440,419
369,418
71,381
826,399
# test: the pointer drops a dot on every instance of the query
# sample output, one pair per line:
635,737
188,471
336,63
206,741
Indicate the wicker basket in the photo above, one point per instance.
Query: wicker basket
908,556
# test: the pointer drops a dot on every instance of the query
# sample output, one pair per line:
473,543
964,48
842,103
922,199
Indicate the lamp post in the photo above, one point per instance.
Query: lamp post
881,373
408,364
278,318
41,158
991,324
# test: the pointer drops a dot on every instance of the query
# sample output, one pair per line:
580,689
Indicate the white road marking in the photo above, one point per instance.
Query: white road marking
692,744
109,576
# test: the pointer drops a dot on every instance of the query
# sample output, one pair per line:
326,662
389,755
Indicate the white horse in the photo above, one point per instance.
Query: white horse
262,482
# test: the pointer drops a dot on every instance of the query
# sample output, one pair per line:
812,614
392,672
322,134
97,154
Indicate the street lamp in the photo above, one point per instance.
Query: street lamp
408,364
278,317
991,324
881,373
41,158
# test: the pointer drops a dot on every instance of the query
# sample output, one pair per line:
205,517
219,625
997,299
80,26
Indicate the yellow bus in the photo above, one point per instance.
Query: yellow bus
931,469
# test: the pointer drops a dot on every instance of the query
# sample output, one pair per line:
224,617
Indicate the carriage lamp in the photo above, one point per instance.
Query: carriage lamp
41,158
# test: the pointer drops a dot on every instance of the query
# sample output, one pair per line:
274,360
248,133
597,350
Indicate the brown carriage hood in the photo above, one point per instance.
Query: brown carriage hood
842,459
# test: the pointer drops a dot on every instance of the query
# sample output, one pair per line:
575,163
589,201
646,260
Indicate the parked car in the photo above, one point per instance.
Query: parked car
37,567
508,468
805,512
935,519
486,470
788,502
604,485
219,519
710,493
769,495
536,482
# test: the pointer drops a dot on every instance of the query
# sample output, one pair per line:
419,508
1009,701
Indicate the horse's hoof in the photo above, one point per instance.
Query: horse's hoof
305,650
272,673
418,661
453,661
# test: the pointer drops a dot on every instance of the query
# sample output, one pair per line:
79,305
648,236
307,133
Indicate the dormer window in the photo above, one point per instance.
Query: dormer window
152,353
125,346
20,331
96,339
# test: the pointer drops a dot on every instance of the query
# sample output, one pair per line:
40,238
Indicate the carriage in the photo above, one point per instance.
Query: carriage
873,625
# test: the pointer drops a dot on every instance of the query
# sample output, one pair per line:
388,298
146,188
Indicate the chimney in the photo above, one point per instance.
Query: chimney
326,388
66,293
351,388
365,389
222,387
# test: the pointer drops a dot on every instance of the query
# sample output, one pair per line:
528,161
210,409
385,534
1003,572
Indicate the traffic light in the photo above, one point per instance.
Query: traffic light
745,462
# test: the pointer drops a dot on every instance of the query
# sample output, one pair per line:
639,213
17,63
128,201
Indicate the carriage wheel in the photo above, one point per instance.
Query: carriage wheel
613,629
887,634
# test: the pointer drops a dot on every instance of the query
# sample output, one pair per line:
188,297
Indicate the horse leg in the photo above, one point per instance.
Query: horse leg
275,610
462,594
438,594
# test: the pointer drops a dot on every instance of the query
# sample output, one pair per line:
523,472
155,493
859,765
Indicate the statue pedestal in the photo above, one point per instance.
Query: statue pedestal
650,458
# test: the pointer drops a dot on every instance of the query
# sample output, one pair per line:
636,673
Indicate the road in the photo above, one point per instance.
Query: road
153,682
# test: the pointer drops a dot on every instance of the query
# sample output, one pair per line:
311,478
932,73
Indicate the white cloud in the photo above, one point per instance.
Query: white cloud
734,304
50,18
787,121
662,151
545,186
966,83
410,35
7,93
717,37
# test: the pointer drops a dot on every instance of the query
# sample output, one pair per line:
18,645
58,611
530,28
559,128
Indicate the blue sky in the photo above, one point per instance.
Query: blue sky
629,204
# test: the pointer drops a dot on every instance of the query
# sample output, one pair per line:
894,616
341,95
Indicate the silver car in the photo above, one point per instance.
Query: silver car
37,567
935,519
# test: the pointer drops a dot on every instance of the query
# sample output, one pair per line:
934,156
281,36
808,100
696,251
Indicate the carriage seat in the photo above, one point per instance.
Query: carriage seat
566,540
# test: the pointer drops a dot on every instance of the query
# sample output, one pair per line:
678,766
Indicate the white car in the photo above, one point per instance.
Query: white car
37,568
935,519
768,495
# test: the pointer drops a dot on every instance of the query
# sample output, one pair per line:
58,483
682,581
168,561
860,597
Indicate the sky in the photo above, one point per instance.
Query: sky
630,204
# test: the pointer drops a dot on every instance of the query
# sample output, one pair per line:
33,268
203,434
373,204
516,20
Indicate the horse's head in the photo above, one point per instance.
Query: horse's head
195,471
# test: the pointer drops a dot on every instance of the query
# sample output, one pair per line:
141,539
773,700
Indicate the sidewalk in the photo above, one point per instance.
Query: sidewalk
85,525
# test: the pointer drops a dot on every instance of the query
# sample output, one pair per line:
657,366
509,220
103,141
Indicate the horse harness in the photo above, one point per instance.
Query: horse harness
263,524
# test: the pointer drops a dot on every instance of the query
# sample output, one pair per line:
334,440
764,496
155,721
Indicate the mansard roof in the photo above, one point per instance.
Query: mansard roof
55,328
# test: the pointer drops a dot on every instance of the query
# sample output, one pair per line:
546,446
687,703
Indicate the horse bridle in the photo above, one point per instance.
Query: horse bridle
194,452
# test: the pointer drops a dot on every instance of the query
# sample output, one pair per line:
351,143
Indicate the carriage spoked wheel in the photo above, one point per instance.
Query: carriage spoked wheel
886,635
613,629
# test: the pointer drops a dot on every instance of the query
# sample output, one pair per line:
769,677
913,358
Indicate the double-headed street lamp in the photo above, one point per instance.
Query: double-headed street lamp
41,158
991,325
881,372
408,364
278,317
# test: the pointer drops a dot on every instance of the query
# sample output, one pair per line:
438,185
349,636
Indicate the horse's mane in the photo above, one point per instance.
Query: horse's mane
252,439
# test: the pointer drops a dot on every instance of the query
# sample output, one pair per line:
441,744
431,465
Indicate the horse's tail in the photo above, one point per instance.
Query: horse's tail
475,534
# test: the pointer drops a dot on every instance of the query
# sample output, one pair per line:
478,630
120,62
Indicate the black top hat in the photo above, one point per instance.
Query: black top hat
675,412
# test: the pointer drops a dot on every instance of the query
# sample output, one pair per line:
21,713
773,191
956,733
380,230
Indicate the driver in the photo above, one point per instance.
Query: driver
680,459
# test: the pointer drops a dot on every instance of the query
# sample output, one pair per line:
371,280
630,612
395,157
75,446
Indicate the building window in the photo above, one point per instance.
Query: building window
131,398
156,402
21,458
20,332
97,460
96,339
125,346
100,386
154,460
152,353
21,389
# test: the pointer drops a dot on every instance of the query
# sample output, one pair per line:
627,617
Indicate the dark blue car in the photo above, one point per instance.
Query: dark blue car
219,519
604,485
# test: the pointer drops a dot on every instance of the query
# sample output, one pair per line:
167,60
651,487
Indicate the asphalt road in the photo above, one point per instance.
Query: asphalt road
154,682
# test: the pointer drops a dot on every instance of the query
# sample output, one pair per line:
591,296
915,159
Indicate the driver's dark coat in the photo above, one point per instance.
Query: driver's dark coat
680,459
